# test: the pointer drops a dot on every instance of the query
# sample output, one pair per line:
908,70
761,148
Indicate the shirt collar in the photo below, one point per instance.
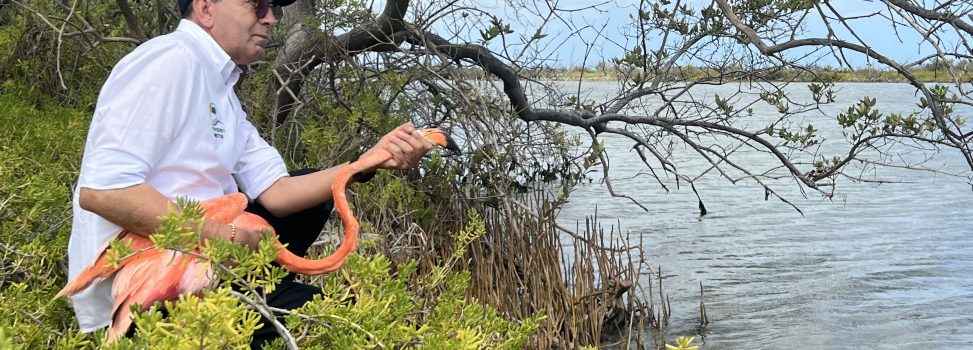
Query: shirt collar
212,51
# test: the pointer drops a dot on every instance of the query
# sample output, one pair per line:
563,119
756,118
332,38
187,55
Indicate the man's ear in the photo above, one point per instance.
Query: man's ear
203,13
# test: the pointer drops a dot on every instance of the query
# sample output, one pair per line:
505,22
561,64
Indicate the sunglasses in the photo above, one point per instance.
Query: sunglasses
263,6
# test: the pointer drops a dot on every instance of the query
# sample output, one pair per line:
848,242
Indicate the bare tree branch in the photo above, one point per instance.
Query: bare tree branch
933,15
133,22
934,105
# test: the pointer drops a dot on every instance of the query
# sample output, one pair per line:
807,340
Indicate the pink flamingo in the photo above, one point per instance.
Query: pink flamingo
150,275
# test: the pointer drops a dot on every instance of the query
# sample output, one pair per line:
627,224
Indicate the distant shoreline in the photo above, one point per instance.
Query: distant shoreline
902,81
686,74
834,76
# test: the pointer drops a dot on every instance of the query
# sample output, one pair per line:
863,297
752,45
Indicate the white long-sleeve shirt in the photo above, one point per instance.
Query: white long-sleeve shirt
167,116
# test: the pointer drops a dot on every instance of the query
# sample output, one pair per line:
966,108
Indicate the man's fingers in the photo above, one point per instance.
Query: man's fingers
407,127
396,152
406,145
413,146
419,142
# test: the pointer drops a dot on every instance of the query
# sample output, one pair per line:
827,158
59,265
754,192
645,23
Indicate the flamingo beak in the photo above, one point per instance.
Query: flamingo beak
440,138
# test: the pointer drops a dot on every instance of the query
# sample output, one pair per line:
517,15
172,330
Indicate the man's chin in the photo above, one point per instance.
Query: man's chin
257,55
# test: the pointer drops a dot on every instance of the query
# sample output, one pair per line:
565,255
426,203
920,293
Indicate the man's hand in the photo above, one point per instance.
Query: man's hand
405,144
244,235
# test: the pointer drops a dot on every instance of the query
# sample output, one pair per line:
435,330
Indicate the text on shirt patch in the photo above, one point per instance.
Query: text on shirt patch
216,123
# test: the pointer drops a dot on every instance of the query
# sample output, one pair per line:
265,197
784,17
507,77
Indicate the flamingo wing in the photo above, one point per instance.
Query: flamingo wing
101,269
154,277
151,275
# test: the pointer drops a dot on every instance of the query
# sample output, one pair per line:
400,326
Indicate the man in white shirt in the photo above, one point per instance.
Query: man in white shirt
168,124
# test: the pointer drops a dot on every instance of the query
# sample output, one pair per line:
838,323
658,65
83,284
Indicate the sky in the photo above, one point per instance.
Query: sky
568,35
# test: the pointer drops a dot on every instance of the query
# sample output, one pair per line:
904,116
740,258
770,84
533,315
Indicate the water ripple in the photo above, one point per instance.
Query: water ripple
882,266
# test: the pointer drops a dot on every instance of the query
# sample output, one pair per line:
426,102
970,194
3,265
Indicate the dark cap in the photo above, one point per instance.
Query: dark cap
184,4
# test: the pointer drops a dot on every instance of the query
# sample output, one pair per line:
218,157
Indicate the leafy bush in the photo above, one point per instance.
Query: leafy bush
371,301
38,161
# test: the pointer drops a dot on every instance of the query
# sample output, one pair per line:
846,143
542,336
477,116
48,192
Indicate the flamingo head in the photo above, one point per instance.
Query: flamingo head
438,137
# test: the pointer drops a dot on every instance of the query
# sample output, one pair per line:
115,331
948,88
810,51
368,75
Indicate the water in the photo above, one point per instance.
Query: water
886,266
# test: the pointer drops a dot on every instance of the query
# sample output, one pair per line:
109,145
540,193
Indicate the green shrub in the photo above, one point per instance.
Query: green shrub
39,155
367,304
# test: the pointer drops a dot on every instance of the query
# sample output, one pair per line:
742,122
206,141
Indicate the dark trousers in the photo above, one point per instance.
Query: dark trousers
298,231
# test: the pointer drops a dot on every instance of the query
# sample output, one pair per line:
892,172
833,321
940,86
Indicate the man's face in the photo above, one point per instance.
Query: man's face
238,31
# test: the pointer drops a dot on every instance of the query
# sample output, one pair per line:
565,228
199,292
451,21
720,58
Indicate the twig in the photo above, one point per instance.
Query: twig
267,314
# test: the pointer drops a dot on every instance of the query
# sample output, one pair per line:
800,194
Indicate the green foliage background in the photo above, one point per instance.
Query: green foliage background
39,158
47,94
367,304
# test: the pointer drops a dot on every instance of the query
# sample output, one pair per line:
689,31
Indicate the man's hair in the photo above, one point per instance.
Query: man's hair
189,8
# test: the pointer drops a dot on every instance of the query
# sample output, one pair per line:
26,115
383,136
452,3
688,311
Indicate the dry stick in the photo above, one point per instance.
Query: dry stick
133,22
632,302
60,34
607,179
284,333
703,318
667,166
285,87
927,36
932,15
844,22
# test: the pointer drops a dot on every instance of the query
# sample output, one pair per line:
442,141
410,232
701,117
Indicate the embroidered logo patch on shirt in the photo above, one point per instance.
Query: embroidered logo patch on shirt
216,123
